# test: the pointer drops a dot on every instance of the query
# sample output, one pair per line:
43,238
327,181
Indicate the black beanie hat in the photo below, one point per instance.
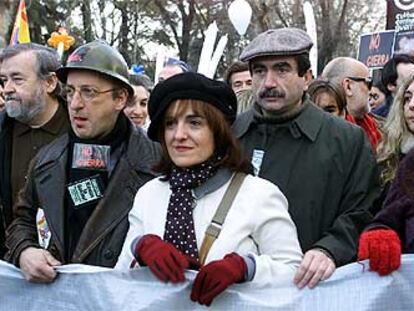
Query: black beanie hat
189,85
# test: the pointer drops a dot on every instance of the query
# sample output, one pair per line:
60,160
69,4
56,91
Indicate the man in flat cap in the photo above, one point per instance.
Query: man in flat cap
85,181
323,165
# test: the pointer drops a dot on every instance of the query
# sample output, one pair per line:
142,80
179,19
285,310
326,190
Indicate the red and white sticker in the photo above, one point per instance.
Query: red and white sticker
93,157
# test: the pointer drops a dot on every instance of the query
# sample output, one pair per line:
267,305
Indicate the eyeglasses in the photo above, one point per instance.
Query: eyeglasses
86,93
367,81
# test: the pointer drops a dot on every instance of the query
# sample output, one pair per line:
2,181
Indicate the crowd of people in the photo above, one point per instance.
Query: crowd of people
268,174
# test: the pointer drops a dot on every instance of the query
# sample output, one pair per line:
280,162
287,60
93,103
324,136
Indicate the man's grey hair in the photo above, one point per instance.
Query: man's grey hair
47,59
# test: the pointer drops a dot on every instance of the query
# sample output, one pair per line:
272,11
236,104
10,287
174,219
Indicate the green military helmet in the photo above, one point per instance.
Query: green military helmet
97,56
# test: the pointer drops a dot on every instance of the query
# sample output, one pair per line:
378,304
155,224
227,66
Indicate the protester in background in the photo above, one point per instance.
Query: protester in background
191,117
323,165
136,110
354,79
171,68
394,72
327,96
86,180
377,94
238,77
398,134
34,115
392,231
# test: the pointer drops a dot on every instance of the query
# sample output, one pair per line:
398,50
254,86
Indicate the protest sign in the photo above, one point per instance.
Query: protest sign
375,49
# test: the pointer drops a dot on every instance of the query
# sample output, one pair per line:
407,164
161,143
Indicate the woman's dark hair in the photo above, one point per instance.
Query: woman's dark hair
320,85
141,80
377,82
226,144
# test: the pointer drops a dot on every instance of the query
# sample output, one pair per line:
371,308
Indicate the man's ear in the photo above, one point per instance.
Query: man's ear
346,85
308,76
51,83
122,99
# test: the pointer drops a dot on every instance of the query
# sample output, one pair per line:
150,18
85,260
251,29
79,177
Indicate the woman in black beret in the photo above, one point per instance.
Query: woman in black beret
181,221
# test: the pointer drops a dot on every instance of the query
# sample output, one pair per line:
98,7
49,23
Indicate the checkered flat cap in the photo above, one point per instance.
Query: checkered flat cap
278,42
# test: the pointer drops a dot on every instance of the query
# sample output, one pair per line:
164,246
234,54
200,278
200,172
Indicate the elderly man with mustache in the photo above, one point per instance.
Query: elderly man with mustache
323,165
32,117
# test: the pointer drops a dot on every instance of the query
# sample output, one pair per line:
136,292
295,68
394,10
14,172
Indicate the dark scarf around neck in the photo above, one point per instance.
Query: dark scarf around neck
179,225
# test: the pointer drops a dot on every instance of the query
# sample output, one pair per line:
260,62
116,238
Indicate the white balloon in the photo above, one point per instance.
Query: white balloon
240,14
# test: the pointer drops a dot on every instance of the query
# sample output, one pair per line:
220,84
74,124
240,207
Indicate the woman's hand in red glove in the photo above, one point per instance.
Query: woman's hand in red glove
383,249
216,276
162,258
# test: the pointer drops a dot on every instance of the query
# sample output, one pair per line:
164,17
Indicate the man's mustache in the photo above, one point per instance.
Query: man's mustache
271,93
11,97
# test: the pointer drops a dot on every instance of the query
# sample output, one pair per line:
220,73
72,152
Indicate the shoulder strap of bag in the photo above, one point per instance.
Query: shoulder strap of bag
214,229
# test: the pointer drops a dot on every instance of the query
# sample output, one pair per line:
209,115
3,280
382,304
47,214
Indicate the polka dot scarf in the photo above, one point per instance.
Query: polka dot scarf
179,226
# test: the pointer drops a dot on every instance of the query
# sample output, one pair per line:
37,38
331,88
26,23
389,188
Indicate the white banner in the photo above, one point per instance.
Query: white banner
79,287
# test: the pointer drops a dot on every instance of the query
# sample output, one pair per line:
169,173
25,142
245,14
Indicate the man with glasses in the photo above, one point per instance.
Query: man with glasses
85,181
354,78
33,116
322,164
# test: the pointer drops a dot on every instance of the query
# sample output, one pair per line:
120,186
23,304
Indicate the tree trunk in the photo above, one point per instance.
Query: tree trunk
87,20
187,26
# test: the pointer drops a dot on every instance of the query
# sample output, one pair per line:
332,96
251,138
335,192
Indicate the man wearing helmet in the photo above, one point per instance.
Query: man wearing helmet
84,182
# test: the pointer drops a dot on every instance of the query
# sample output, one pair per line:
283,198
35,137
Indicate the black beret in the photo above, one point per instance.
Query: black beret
189,85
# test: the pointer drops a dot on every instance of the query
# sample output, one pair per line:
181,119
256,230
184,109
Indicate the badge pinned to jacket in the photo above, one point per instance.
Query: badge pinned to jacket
43,232
86,191
257,160
92,157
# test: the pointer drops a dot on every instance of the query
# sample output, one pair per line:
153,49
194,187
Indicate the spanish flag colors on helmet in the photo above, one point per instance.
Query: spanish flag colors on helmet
20,32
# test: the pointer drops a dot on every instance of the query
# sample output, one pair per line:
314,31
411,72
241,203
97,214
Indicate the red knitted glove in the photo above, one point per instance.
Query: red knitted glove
383,249
162,258
216,276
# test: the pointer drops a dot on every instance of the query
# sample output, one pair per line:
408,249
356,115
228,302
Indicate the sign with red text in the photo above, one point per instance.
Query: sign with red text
375,49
